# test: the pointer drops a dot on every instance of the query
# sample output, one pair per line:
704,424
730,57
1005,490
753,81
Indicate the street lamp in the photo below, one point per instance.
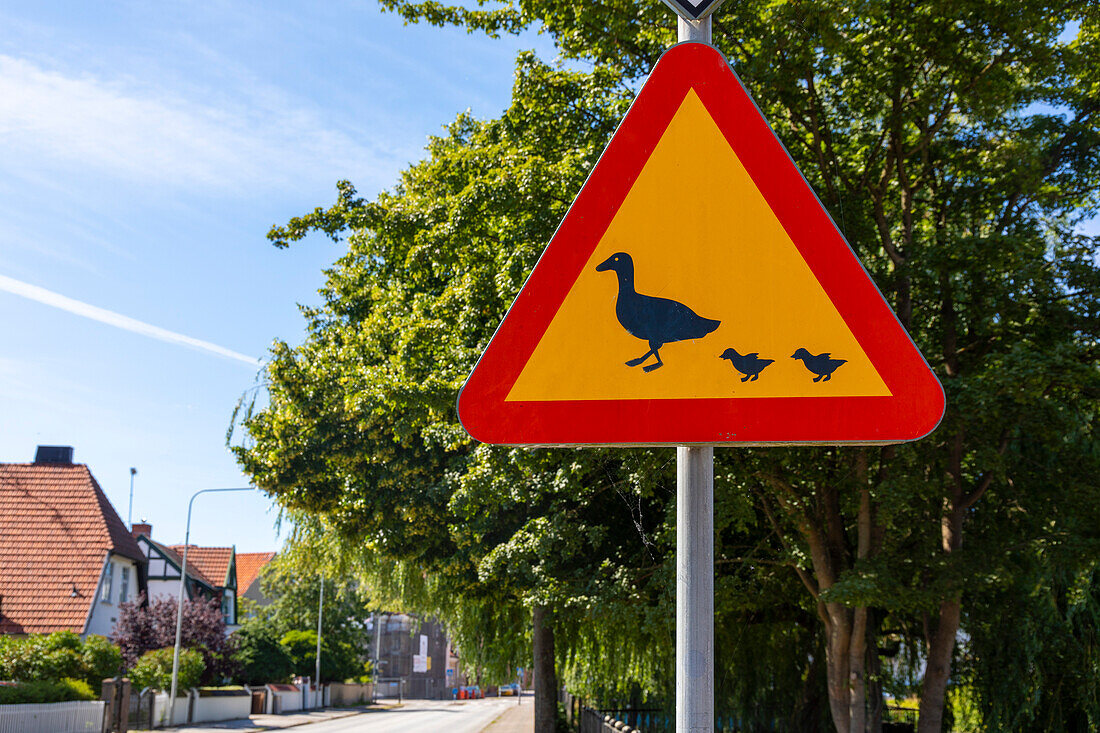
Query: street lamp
130,510
179,602
320,610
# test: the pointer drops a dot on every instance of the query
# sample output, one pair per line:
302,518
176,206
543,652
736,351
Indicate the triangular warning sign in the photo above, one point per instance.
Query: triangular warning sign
698,293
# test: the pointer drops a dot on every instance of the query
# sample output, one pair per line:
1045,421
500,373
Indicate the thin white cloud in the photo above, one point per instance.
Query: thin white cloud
157,136
79,308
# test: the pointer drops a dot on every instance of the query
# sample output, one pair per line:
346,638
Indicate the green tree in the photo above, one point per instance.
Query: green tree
101,659
154,670
955,146
292,582
338,661
259,655
478,538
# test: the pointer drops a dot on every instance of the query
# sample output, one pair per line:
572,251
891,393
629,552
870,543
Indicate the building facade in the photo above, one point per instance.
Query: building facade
415,651
211,572
67,561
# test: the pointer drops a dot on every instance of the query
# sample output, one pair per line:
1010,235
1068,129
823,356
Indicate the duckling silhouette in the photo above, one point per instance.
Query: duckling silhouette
823,365
659,321
748,364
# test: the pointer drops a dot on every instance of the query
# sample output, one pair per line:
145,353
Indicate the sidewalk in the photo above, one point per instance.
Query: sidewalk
275,722
519,718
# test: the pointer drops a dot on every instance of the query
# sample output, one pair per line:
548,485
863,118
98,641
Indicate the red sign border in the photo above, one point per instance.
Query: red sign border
914,408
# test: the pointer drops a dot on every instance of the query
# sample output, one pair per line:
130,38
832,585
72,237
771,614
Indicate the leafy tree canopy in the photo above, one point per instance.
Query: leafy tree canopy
259,655
955,145
292,583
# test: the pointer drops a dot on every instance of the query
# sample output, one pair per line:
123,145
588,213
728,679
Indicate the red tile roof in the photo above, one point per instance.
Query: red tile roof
56,528
212,563
249,565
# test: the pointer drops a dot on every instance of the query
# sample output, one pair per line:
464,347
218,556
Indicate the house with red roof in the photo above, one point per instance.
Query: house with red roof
249,567
66,559
211,571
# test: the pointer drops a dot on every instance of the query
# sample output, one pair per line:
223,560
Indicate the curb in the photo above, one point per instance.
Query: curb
342,714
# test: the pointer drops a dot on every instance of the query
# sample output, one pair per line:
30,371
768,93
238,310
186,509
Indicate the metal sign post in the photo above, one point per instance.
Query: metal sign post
694,553
695,589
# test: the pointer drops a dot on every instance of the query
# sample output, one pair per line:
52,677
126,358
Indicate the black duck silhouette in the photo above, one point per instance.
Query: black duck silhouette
748,364
658,321
823,365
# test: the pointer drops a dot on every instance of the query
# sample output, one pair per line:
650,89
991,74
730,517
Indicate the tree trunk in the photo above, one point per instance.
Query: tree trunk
838,638
940,648
546,681
846,643
808,713
941,643
874,675
845,660
857,658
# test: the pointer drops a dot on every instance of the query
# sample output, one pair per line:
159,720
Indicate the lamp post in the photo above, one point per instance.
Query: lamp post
130,510
179,601
320,611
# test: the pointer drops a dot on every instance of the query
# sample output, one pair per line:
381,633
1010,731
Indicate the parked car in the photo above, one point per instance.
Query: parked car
510,689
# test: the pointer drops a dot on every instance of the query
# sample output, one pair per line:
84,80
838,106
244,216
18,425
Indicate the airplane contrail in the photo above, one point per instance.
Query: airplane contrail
76,307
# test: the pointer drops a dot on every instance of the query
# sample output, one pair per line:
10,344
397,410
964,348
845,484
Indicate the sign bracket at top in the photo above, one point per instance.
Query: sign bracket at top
693,10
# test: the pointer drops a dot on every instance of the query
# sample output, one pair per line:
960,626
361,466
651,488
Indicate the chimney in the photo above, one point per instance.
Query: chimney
54,454
141,528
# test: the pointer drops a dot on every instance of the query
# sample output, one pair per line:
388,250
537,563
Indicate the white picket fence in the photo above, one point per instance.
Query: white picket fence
54,717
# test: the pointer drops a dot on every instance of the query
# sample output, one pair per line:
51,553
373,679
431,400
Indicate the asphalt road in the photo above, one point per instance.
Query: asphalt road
421,716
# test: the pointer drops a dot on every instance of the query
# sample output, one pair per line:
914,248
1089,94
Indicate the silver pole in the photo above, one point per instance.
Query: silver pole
695,589
179,600
694,554
320,610
130,509
377,647
693,30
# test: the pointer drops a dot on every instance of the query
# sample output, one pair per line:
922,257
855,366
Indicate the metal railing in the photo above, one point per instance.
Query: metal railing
645,717
389,687
589,720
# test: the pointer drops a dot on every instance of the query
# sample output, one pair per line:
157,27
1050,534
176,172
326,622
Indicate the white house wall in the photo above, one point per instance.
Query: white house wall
104,612
165,589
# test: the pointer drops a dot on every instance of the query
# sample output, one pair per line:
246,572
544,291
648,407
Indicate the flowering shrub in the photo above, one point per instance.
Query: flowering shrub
143,628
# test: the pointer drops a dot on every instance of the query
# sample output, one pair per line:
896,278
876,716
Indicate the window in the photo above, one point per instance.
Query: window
124,591
108,586
227,607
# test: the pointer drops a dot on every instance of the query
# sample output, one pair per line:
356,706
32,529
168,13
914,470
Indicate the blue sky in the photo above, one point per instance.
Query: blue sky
145,150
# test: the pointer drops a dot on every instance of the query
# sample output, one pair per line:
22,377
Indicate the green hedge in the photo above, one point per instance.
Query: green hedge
40,691
154,670
57,656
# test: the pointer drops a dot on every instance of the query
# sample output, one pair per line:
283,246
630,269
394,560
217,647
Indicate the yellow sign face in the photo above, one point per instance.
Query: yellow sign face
699,234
